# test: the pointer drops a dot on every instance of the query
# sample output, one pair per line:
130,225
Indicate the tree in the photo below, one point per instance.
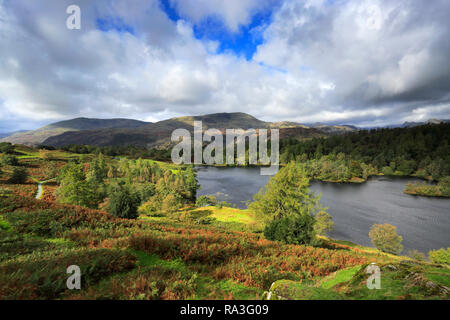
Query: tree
75,189
286,201
171,203
385,238
6,147
19,176
355,169
123,203
190,183
440,256
50,170
10,160
323,223
97,170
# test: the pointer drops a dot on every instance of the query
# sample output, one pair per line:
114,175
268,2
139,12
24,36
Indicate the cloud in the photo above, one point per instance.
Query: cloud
375,53
357,62
233,13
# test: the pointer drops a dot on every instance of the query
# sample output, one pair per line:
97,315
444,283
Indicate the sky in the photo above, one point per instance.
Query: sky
365,63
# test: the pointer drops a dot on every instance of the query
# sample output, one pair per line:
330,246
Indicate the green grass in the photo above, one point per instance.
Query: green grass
60,242
292,290
153,260
339,277
440,275
232,215
399,281
4,225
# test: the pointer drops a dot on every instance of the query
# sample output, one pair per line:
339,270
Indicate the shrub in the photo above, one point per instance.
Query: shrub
19,176
440,256
154,283
10,160
152,207
385,238
4,225
206,220
387,171
292,229
42,275
204,201
6,147
45,154
123,203
50,170
416,254
171,203
13,245
37,222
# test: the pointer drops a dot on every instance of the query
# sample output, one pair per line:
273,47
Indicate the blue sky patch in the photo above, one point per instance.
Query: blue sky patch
242,43
114,23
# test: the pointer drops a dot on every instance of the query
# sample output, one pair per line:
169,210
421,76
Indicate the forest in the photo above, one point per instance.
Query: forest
422,151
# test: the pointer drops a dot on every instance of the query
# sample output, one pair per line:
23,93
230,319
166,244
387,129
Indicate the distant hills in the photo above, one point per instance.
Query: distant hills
115,132
8,134
38,136
158,134
411,124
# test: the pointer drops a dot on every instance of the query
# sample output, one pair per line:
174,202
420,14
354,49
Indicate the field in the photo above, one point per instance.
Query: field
193,253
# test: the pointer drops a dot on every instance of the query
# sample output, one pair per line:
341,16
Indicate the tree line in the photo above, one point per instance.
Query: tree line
423,151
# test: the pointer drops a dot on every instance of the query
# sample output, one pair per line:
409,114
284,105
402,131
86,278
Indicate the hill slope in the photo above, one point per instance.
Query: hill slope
159,133
40,135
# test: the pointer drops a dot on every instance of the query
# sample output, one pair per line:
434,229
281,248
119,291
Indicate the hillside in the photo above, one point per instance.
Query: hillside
38,136
159,133
192,253
8,134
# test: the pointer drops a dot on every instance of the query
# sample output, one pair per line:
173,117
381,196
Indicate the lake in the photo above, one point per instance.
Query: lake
424,223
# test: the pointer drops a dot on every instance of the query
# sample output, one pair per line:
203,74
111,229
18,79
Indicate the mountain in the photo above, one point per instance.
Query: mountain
155,134
334,129
411,124
38,136
158,134
8,134
113,132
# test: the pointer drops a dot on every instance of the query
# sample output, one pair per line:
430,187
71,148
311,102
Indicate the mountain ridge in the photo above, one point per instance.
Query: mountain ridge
121,131
158,134
35,137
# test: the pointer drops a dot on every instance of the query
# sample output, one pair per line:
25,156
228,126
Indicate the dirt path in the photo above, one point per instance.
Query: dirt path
41,187
40,191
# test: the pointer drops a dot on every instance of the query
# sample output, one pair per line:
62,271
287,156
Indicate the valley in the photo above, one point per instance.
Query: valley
178,245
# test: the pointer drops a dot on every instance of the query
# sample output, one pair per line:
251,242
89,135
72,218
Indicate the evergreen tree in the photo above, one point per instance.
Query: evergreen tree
19,175
289,206
123,203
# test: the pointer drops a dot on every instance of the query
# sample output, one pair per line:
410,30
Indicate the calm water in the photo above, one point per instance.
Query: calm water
424,223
